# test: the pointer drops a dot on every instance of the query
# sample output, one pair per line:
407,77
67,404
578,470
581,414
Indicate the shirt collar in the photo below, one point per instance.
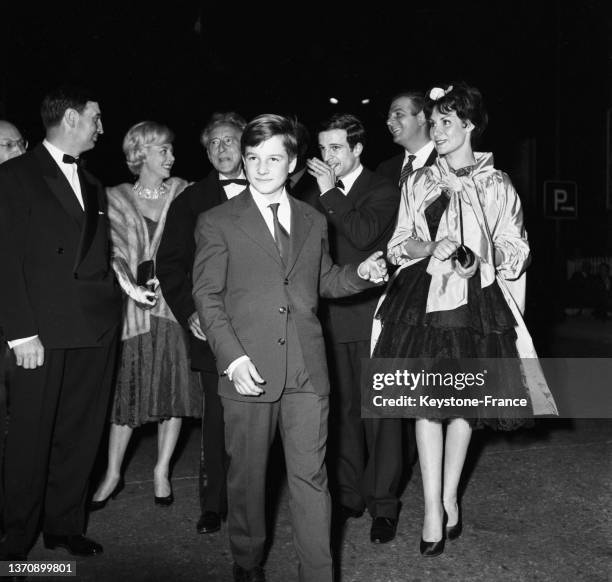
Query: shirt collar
262,201
422,155
56,153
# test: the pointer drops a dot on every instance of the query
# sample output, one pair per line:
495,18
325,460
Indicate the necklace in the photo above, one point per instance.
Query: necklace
150,193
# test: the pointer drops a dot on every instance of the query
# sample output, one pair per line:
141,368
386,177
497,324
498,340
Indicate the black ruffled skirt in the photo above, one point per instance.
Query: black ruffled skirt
483,328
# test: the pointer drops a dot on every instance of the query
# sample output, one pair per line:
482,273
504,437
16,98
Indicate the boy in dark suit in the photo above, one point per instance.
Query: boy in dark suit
261,262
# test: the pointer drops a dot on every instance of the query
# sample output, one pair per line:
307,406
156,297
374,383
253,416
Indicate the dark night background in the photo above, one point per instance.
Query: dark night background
544,70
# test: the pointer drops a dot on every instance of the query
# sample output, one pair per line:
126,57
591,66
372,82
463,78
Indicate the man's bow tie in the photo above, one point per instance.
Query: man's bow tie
68,159
239,181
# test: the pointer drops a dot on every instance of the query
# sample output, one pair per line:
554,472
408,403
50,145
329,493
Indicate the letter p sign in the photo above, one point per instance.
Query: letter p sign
560,200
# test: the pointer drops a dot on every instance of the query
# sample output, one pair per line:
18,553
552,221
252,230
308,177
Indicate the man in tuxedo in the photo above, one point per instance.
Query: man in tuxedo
60,309
261,261
221,140
361,209
408,126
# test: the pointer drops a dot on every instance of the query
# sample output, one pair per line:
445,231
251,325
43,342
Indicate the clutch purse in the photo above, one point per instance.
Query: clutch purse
145,271
464,256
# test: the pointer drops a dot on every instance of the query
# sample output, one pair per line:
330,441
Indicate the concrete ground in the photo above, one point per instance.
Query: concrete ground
536,504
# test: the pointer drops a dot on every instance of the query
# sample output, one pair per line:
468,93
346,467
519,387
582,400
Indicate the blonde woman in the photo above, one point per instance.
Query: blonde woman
154,381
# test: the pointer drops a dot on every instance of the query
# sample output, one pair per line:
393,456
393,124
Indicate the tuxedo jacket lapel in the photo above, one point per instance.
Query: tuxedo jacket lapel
90,200
59,186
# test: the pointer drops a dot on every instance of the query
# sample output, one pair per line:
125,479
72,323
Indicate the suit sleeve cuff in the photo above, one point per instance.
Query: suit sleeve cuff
17,342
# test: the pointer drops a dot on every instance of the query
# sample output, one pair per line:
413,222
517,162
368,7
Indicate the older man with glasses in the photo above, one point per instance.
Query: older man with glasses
175,257
12,143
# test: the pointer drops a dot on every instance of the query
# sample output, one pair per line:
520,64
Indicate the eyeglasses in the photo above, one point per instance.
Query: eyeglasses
15,144
228,141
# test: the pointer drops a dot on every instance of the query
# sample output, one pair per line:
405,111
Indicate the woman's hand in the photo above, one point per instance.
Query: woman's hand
444,248
144,297
466,273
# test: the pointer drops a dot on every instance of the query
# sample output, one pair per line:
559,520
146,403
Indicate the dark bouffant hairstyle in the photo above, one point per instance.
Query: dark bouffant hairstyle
465,101
56,102
355,132
267,125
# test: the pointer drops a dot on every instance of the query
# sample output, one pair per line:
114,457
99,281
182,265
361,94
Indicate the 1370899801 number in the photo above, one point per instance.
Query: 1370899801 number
38,568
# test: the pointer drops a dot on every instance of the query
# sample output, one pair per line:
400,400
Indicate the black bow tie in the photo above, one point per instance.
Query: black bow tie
239,181
340,184
68,159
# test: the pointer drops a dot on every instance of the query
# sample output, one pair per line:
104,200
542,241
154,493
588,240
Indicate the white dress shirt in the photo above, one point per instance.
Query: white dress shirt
263,202
350,178
422,156
69,170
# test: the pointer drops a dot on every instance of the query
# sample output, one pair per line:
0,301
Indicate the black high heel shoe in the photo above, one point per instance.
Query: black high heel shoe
432,549
166,499
96,505
454,531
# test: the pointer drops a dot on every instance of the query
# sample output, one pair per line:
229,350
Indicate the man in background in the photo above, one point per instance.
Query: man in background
361,209
409,128
12,143
221,140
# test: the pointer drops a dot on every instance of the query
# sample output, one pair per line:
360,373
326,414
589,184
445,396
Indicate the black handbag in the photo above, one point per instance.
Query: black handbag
145,272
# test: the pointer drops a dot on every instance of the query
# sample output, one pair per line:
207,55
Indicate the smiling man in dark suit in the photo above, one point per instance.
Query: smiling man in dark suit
261,263
409,128
221,140
60,308
361,208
